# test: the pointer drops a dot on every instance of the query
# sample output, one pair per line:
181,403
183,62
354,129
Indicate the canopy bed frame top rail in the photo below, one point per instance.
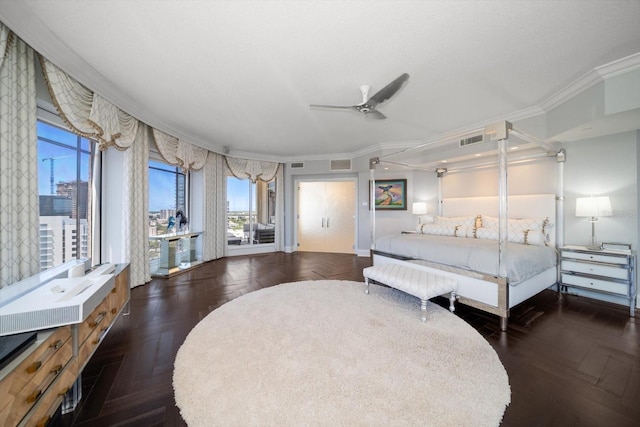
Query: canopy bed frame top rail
503,207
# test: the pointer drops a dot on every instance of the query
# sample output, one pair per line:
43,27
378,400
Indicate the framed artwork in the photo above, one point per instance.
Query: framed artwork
390,194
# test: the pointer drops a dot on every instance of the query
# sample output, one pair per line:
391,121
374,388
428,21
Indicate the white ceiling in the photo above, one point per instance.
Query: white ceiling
241,74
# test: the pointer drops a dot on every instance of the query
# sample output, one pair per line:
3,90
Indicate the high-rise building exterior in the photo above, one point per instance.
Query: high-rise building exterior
64,229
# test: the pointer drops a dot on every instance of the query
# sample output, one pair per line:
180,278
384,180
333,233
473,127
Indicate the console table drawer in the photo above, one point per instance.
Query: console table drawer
610,259
597,284
99,316
24,387
595,269
48,405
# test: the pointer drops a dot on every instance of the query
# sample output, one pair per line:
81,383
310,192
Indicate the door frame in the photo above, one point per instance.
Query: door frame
296,183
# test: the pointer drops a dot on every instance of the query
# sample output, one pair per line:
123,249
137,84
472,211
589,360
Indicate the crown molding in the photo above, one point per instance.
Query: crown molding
620,66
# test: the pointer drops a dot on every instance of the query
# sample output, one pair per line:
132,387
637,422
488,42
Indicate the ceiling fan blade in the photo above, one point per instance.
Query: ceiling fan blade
340,107
388,91
375,114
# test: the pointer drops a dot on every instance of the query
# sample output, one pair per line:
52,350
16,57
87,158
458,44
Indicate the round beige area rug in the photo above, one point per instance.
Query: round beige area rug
324,353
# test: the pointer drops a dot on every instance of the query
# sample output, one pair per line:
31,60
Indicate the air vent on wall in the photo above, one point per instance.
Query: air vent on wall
341,165
472,140
296,165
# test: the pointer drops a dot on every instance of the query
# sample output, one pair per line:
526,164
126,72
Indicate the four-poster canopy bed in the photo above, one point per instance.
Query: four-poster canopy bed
499,249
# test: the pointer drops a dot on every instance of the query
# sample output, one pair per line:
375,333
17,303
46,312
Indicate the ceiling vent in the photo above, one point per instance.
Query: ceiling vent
341,165
472,140
296,165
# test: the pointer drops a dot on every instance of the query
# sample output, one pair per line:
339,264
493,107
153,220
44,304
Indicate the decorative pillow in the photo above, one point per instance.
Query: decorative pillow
516,235
466,221
490,233
439,229
427,219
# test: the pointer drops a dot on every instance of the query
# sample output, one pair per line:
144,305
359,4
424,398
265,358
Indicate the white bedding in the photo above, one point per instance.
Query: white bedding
480,255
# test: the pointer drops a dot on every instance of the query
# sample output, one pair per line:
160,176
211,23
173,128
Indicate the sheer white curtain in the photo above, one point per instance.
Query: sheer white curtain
19,210
215,208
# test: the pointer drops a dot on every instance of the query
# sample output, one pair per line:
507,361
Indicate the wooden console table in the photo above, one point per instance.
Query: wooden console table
47,375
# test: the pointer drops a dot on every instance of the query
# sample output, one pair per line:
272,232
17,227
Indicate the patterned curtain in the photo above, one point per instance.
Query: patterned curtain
279,236
19,210
135,216
265,171
177,152
252,169
87,113
215,204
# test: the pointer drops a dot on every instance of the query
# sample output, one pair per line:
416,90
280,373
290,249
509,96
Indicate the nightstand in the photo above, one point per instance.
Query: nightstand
605,271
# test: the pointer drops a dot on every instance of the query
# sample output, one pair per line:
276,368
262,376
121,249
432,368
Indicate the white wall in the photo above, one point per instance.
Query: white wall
112,230
603,166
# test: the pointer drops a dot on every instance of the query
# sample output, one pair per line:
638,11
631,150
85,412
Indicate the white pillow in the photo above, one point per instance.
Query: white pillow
439,229
466,221
516,235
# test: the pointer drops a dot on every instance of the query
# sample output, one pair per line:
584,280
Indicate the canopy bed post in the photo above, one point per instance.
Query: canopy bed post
500,132
440,174
561,158
372,199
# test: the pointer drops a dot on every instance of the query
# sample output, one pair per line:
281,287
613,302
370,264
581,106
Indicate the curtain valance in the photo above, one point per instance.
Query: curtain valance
252,169
180,153
5,41
87,113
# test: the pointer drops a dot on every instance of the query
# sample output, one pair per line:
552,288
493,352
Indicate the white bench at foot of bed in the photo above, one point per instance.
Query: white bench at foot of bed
422,284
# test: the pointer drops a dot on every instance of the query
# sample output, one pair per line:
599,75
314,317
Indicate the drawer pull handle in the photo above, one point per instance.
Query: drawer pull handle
114,310
114,290
34,396
99,319
100,335
34,367
56,345
43,421
56,369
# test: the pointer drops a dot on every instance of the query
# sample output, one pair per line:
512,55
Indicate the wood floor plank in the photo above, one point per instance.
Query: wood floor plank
573,361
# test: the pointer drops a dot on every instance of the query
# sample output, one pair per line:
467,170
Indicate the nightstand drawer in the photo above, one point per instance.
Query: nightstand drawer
595,269
597,284
611,259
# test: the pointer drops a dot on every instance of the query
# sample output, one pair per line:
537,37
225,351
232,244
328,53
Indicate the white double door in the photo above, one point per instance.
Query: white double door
327,216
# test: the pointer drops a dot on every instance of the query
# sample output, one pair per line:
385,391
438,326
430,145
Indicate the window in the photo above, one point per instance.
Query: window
167,195
250,211
64,171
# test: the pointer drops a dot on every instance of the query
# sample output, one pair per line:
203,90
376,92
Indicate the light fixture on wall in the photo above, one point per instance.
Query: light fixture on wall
593,207
419,208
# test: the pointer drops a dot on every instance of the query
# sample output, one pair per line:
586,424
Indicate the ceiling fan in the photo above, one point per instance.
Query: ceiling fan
368,105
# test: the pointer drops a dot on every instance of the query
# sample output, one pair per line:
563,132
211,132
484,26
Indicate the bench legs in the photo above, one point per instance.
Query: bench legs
452,301
423,310
423,302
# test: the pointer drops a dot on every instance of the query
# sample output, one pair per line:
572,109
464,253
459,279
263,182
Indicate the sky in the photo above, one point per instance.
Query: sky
161,184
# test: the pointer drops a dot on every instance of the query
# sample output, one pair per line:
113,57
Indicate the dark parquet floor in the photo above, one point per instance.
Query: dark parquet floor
570,363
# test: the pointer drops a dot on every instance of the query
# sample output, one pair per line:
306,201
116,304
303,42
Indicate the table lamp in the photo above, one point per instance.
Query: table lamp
593,207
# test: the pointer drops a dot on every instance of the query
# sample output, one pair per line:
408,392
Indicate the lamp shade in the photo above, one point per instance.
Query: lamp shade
593,206
419,208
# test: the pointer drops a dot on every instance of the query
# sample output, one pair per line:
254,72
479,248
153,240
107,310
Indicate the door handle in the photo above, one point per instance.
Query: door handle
328,222
322,222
